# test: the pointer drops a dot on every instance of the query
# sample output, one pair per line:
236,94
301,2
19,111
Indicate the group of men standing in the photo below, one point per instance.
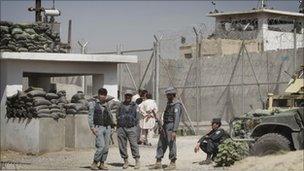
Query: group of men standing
130,115
101,122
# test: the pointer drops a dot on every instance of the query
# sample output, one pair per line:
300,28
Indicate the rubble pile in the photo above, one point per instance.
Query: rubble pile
35,103
37,37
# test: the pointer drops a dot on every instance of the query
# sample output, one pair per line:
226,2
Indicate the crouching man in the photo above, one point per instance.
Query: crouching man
210,142
100,122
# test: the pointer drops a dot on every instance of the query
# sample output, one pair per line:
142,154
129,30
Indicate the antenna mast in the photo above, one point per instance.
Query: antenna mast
262,4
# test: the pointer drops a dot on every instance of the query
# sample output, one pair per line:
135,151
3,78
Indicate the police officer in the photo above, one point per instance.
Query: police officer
127,121
168,130
210,142
100,121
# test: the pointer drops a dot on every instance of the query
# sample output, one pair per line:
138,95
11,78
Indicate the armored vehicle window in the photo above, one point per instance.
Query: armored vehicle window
299,102
280,103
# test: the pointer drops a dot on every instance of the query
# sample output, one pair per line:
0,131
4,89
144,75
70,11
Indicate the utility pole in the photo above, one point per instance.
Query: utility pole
157,56
197,75
118,51
243,94
38,9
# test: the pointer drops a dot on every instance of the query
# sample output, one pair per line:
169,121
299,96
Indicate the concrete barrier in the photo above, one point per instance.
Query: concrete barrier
35,136
78,134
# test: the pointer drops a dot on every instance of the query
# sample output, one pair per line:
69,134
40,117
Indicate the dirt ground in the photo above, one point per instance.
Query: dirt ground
187,160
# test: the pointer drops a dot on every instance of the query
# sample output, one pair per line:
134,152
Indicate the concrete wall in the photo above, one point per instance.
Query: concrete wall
35,136
78,133
216,47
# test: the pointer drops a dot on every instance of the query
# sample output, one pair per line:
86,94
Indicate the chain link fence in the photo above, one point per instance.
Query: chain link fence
223,73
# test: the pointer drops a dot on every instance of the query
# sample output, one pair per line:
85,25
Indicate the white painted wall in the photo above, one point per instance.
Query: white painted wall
274,40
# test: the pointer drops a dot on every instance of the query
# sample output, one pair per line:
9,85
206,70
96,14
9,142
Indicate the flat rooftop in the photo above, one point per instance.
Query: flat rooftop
263,10
68,57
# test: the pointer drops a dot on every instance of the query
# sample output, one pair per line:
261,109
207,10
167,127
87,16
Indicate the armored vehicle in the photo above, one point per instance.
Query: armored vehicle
280,126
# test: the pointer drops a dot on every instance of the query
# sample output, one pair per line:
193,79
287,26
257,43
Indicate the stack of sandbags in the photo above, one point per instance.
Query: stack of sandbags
78,105
17,106
33,103
56,109
37,37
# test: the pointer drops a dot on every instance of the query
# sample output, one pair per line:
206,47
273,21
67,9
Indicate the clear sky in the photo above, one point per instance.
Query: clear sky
104,24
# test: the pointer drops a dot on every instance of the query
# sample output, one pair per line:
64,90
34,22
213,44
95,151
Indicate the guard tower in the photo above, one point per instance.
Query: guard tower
262,30
274,29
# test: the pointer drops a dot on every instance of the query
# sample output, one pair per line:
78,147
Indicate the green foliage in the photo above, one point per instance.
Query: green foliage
238,127
231,151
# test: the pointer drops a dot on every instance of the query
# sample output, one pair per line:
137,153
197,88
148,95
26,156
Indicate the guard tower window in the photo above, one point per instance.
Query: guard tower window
239,25
284,25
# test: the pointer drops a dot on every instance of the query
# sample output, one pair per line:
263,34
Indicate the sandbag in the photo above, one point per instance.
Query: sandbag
4,29
54,106
22,49
76,97
61,93
84,102
13,97
51,96
62,99
41,102
80,106
29,103
85,112
35,93
38,98
30,31
59,114
6,23
54,110
38,34
45,115
70,106
37,108
54,101
16,31
44,111
71,111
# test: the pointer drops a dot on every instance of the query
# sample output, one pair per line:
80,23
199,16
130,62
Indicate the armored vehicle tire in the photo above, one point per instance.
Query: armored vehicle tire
270,143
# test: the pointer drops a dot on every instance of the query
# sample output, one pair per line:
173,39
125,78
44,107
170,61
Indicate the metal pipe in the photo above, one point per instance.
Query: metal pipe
196,76
157,56
125,51
38,16
294,47
243,94
69,36
131,76
146,70
225,85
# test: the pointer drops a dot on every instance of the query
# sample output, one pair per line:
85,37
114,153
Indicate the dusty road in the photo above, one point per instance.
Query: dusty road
187,159
81,159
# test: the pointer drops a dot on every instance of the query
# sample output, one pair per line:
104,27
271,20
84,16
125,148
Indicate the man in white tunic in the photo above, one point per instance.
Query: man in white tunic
148,110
